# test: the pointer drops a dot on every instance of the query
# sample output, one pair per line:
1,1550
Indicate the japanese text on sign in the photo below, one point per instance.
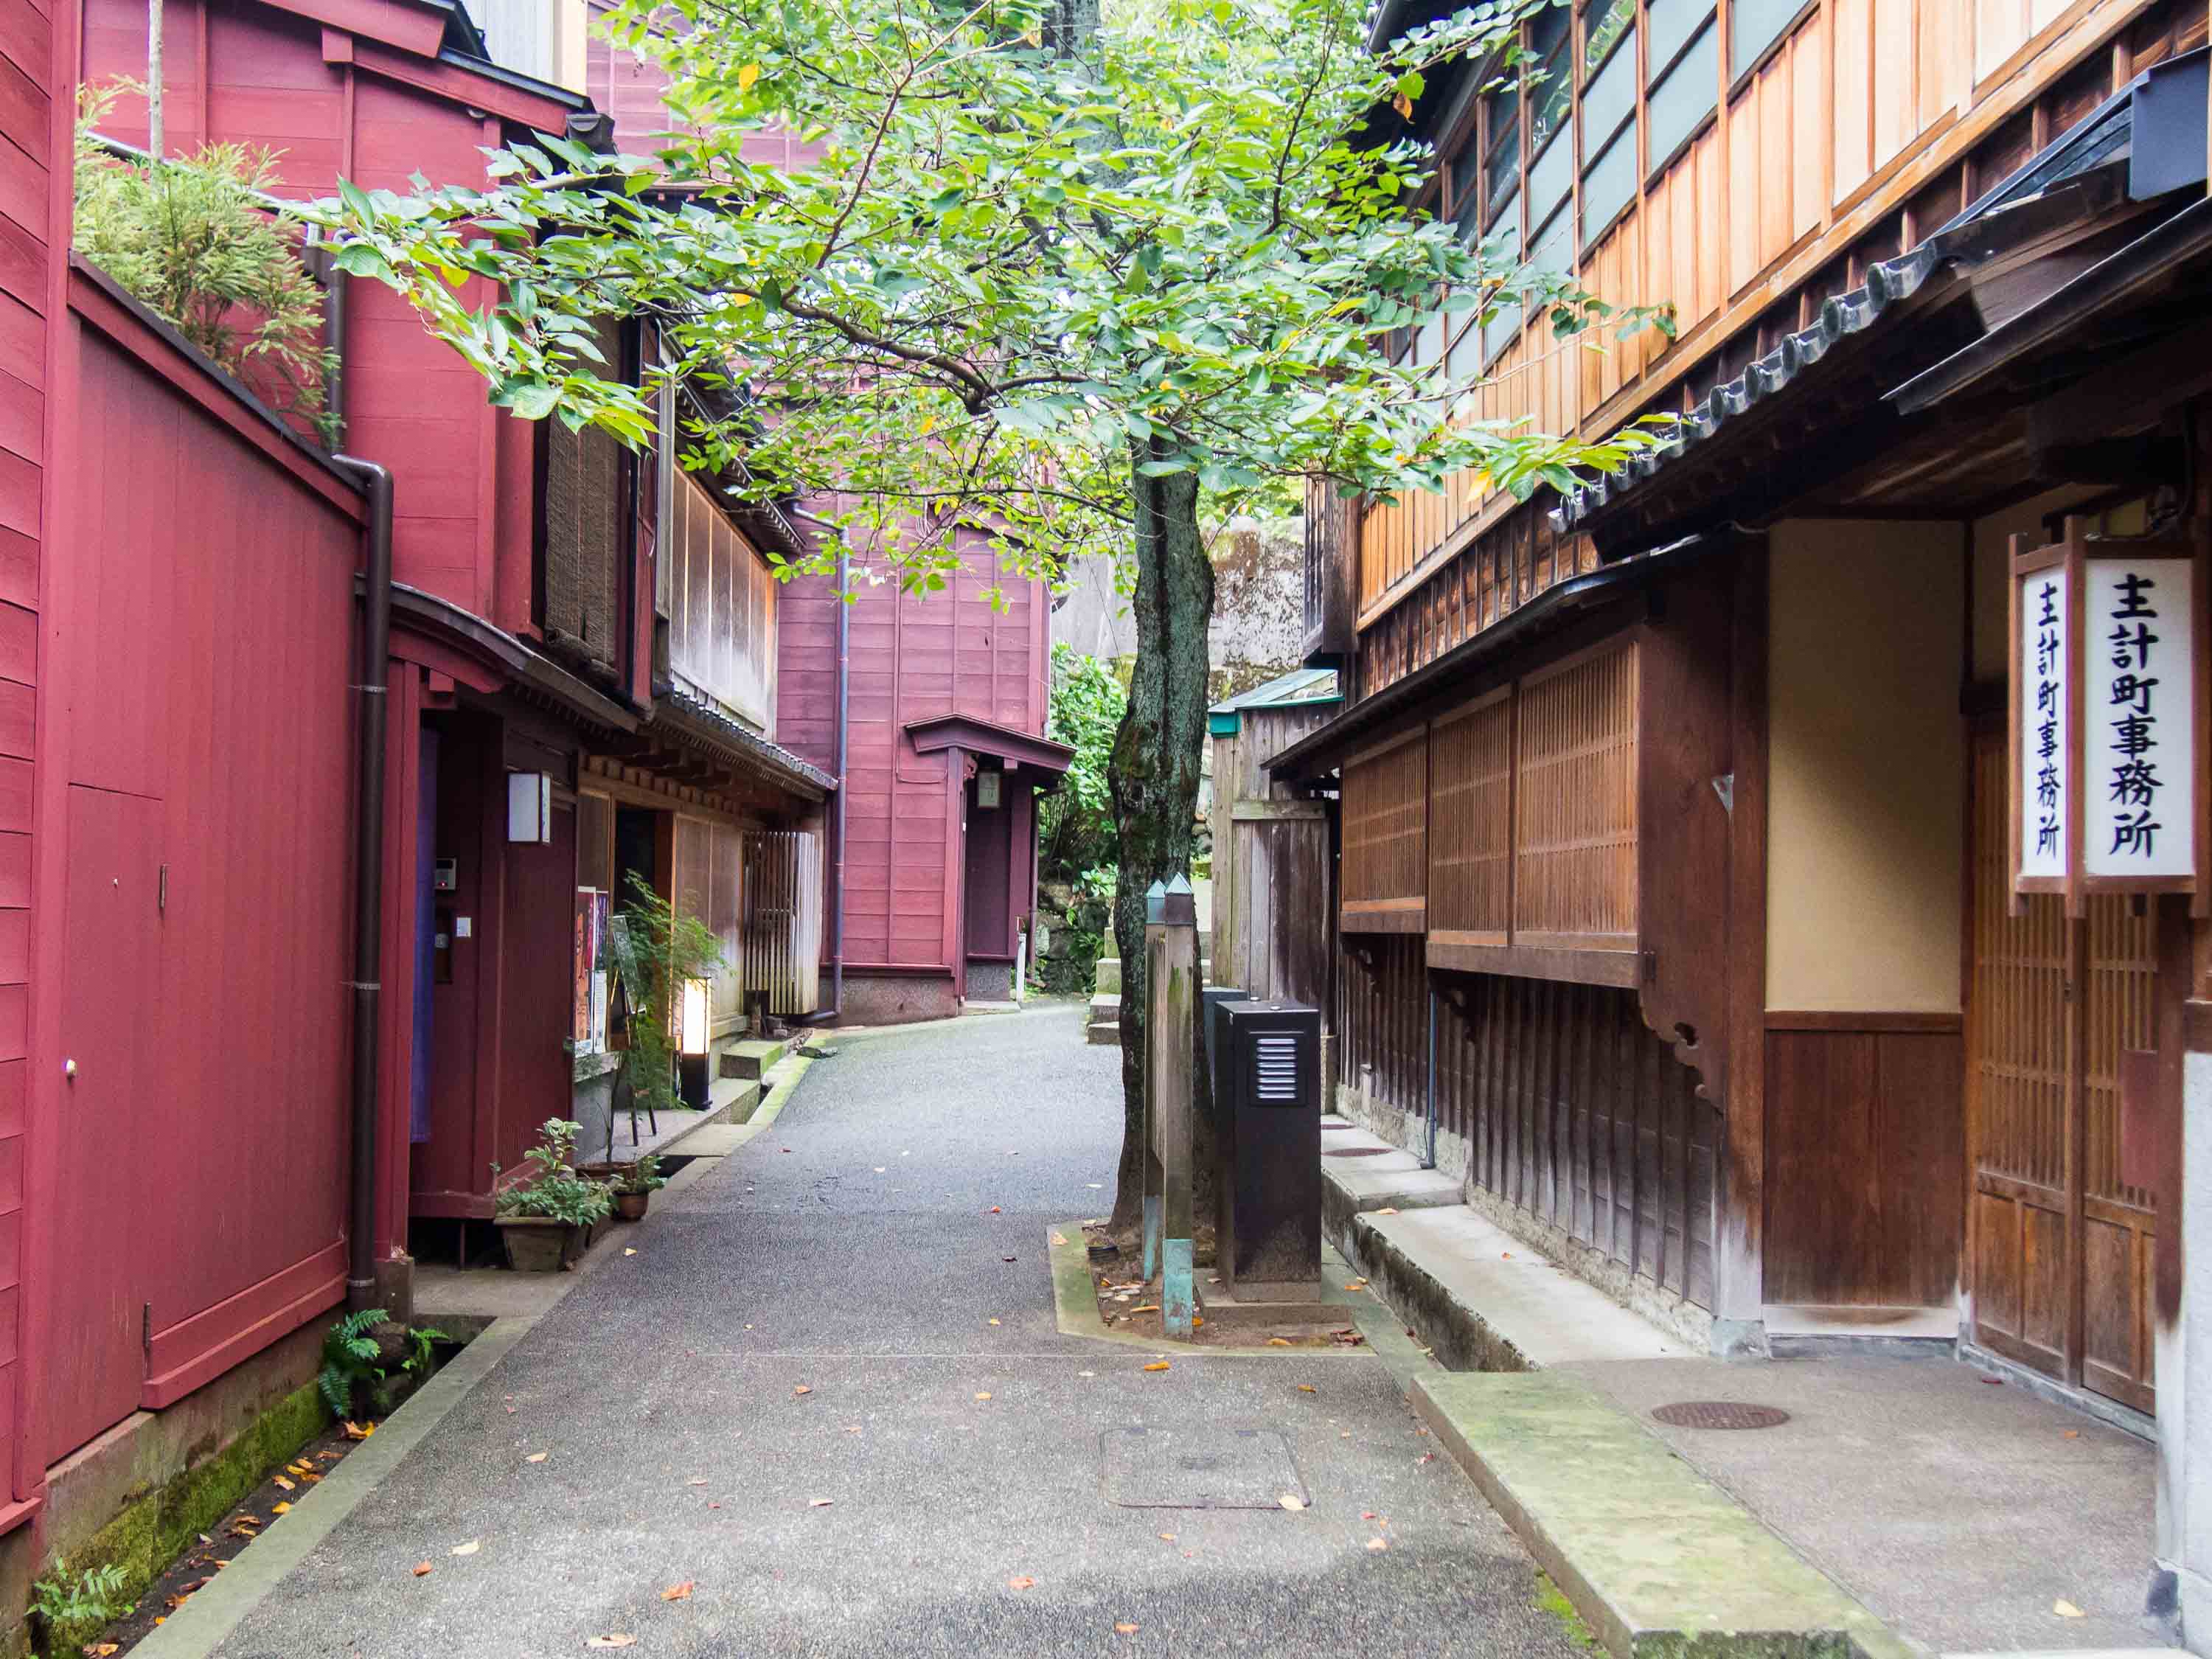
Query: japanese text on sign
2138,741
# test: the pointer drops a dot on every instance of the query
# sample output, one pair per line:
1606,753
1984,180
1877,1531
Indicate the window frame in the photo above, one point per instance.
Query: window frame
1632,40
1711,23
1738,78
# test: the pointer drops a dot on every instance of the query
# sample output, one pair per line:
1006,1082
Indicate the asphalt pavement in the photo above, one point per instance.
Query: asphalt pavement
828,1394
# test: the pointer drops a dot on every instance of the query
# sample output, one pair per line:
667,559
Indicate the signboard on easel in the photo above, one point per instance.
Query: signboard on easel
2106,741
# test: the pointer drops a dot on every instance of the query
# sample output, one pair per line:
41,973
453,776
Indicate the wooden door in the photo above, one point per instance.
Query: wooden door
2059,1252
112,916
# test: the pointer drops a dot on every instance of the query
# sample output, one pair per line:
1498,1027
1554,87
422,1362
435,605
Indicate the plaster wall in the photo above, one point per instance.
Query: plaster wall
1867,767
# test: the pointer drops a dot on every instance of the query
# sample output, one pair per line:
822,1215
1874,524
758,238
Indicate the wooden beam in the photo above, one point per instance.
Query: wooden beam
2127,395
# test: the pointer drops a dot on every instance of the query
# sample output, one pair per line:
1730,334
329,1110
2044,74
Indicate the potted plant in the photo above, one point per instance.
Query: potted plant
545,1219
654,950
635,1185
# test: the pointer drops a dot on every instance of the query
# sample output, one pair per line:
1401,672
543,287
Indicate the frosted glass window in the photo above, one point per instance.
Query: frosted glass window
1551,176
1685,95
1610,183
1755,25
1610,97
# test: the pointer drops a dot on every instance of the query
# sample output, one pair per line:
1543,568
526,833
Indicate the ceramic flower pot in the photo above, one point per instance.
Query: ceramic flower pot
539,1244
630,1207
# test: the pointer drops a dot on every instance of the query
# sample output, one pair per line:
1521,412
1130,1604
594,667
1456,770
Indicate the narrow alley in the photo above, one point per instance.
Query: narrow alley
837,1313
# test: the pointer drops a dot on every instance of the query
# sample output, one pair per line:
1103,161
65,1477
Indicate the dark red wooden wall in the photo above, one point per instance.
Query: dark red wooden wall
244,72
912,656
196,739
36,58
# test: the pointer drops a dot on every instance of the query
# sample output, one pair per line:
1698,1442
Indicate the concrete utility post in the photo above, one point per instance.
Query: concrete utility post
1172,999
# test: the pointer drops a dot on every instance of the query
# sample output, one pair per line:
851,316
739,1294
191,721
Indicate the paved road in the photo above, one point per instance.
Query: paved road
851,1251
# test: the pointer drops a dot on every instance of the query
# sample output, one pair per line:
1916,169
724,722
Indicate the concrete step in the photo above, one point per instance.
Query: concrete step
1376,1176
1105,1006
754,1057
1657,1558
1103,1033
1108,982
1487,1302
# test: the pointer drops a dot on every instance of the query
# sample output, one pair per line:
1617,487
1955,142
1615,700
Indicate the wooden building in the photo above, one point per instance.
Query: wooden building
1677,806
567,617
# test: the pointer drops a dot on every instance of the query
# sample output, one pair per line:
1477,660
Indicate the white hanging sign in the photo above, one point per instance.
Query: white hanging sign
2107,701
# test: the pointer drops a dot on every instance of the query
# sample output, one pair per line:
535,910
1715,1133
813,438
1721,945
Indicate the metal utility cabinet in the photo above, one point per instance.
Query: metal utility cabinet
1267,1102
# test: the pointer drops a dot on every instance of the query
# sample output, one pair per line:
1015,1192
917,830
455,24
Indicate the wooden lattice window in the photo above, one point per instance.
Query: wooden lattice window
1471,823
1575,817
1385,846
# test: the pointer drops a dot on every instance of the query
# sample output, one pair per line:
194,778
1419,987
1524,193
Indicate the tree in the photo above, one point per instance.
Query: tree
1048,281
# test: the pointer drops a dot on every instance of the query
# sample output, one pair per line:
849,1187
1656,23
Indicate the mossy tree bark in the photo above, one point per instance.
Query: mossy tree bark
1154,779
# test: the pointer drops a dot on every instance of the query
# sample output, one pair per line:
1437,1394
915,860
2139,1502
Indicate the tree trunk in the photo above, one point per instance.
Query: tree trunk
1157,757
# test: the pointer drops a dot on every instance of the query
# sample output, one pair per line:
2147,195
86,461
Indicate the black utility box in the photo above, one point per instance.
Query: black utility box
1267,1094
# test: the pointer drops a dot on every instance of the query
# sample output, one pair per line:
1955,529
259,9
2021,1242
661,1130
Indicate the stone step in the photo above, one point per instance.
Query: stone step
1105,1033
1109,982
1657,1558
753,1057
1105,1006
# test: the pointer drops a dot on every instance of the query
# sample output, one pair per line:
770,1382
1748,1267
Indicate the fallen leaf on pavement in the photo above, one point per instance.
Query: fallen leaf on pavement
678,1592
1124,1628
535,1457
1009,1258
1993,1381
628,1251
799,1389
994,1322
1355,1284
620,1639
2065,1609
852,1428
285,1483
102,1650
695,1483
356,1431
1060,1239
1279,1342
983,1396
1386,1210
819,1502
995,1210
1150,1307
280,1509
1169,1536
1292,1501
1021,1583
1378,1543
1367,1515
422,1569
469,1548
2073,1434
1425,1457
1158,1365
1308,1387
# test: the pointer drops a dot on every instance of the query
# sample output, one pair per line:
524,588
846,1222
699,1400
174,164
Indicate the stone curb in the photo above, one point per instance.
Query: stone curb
199,1626
1075,1309
1657,1559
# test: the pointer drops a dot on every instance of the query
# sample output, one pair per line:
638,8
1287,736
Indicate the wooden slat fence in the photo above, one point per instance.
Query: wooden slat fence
1385,865
782,888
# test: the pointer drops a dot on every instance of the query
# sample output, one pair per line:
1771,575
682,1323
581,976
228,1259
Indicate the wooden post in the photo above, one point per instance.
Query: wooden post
1172,993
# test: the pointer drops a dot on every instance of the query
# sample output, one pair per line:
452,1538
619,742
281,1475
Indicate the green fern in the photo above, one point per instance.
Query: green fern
349,1359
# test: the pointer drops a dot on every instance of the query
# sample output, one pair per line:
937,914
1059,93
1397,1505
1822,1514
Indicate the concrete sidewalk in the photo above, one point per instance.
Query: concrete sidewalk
828,1393
1964,1512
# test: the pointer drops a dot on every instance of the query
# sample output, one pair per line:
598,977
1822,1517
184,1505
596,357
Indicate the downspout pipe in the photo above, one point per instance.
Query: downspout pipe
369,878
1429,1158
836,1007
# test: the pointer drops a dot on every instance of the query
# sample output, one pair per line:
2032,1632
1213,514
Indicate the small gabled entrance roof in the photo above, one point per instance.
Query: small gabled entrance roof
980,737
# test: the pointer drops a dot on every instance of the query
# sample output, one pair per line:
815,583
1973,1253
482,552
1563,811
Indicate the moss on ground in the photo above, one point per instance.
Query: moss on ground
157,1526
1550,1598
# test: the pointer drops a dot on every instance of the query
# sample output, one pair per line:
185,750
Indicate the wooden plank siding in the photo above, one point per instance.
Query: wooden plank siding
1555,1099
1385,861
1271,863
1852,136
37,56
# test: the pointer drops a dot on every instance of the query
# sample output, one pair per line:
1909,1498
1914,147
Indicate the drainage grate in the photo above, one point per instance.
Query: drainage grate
1721,1414
1357,1151
1198,1469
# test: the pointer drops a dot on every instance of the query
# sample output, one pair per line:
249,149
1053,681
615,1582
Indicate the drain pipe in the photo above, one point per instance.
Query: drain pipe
836,1007
369,878
1430,1161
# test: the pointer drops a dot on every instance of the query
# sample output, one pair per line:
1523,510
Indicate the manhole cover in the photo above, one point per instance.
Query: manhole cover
1357,1151
1720,1414
1198,1469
